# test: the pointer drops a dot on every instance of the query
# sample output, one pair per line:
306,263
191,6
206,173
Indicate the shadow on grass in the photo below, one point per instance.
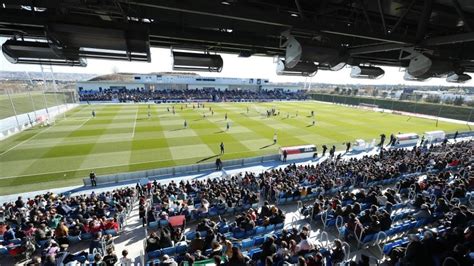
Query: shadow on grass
177,129
269,145
207,158
310,125
219,132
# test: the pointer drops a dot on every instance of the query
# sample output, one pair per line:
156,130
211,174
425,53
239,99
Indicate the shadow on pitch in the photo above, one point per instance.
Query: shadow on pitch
219,132
177,129
269,145
207,158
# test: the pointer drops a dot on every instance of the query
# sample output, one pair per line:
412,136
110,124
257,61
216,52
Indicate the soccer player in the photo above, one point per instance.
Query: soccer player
296,113
274,138
247,109
287,115
93,112
456,135
149,114
314,122
185,124
225,116
227,126
285,155
222,147
348,146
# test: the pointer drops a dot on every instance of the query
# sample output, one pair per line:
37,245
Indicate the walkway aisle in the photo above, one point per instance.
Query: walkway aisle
131,238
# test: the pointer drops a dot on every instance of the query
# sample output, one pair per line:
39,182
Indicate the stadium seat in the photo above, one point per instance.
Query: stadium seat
168,251
247,243
270,228
190,235
181,249
255,253
259,240
110,232
239,234
153,225
259,230
153,254
164,223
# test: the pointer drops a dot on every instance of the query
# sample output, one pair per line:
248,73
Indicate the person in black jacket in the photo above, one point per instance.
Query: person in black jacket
416,253
268,248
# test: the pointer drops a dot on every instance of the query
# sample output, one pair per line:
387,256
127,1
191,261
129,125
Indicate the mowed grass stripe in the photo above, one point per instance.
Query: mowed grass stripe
49,157
62,157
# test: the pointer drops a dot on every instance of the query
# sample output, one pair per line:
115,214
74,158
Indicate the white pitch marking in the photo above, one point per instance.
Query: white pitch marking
135,123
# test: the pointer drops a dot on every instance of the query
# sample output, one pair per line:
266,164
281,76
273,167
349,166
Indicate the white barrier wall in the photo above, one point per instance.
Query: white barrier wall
9,126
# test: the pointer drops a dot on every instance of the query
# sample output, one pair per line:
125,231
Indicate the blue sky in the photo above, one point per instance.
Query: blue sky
253,67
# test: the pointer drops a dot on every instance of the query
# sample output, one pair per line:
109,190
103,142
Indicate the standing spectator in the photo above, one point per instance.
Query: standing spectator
218,163
92,178
325,148
285,155
110,259
124,261
456,135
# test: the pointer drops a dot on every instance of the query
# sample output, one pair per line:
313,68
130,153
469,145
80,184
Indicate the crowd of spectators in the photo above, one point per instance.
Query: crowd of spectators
52,223
208,95
344,189
365,209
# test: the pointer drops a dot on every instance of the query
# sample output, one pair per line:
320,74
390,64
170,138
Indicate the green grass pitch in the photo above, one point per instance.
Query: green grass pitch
121,138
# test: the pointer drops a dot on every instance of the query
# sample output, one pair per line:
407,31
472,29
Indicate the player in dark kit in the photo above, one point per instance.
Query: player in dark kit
325,148
222,147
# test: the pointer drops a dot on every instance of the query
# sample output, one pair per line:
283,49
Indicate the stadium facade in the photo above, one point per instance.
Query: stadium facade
160,81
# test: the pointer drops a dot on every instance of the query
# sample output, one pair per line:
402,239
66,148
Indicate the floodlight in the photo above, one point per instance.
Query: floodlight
197,61
458,78
33,52
304,69
367,72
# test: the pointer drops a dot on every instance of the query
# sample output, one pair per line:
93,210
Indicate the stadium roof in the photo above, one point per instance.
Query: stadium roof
390,32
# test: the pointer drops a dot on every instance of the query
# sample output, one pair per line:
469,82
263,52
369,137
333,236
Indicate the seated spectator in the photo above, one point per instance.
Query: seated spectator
268,248
337,252
196,244
152,243
236,259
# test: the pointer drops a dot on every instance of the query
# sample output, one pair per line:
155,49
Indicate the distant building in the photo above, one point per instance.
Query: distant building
160,81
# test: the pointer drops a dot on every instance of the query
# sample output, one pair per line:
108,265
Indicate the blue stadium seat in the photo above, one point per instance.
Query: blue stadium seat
259,240
259,230
255,253
247,243
153,254
181,249
190,235
270,228
213,212
239,234
153,225
250,233
279,226
110,232
168,251
164,223
224,229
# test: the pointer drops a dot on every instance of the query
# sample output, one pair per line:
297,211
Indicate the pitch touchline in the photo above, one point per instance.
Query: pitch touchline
1,154
110,166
